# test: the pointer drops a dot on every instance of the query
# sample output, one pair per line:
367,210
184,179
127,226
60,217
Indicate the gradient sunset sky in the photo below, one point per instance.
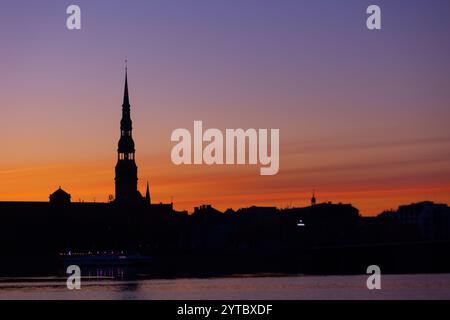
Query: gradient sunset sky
363,115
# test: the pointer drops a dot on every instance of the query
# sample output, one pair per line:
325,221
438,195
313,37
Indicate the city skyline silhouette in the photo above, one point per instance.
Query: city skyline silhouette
126,172
87,177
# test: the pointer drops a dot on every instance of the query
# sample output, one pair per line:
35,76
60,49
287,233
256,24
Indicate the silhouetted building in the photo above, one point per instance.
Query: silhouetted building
126,169
432,219
206,209
60,197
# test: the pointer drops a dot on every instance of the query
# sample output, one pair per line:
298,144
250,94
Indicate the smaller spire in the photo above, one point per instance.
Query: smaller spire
147,195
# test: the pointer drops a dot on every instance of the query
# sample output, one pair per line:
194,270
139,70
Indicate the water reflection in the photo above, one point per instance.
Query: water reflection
112,283
117,273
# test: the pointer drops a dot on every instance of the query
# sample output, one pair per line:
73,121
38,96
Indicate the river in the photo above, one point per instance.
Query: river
415,286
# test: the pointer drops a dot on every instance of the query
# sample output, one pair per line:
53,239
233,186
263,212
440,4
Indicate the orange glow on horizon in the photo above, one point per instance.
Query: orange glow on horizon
223,187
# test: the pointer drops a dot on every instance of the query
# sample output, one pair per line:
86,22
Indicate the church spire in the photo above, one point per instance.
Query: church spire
126,101
126,169
147,195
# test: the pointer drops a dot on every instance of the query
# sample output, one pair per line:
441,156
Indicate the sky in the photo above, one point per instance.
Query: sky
363,115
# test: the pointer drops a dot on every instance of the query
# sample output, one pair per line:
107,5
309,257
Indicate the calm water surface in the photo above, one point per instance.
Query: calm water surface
424,286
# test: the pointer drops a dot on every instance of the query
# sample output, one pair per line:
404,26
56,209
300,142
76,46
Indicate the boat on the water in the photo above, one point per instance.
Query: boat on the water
103,259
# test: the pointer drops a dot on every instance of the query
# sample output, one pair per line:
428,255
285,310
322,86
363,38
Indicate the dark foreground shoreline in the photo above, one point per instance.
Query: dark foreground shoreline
398,258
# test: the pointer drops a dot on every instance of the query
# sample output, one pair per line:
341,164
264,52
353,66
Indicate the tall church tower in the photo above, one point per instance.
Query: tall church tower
126,169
